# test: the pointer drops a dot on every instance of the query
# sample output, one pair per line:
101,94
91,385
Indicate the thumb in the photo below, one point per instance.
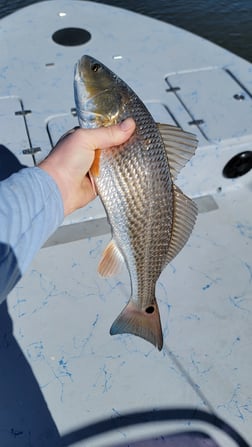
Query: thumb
105,137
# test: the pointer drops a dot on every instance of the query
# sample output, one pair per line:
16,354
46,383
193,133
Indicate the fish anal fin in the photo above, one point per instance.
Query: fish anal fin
111,260
184,217
180,146
144,323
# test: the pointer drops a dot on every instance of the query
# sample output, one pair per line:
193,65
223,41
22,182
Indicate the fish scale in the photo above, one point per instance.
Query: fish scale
150,218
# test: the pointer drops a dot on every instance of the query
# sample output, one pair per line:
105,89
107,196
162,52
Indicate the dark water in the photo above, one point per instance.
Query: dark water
225,22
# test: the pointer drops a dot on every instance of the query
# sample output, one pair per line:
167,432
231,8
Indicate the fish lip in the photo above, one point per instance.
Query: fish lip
78,81
87,118
77,76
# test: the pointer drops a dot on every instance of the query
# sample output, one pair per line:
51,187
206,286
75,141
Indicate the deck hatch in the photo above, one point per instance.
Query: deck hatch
211,118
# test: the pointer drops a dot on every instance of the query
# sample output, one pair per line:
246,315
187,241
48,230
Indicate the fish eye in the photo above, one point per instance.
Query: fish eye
95,67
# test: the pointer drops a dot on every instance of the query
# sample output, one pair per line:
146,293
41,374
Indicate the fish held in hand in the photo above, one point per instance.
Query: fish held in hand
150,218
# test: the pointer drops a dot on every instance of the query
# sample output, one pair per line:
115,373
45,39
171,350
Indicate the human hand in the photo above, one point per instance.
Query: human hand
69,162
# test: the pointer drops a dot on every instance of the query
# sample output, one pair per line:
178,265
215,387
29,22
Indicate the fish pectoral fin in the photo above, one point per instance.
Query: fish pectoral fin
95,167
144,323
185,214
111,260
180,146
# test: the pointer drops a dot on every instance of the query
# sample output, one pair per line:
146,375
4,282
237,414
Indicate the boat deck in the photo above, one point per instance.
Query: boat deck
61,370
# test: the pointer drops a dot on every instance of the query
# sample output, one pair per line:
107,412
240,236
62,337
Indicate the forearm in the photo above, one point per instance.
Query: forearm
31,209
34,200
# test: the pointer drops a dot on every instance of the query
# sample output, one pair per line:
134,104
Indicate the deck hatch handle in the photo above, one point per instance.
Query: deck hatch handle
23,112
172,89
31,150
193,120
244,88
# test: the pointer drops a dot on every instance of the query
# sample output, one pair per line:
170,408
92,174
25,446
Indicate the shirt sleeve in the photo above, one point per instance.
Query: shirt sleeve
31,208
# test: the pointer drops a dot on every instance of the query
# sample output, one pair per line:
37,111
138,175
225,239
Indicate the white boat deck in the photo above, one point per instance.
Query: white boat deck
60,369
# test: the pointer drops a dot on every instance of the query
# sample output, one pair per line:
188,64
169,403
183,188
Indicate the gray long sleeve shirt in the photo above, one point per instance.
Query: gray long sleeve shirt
31,209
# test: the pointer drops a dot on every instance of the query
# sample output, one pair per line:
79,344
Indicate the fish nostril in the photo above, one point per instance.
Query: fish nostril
149,309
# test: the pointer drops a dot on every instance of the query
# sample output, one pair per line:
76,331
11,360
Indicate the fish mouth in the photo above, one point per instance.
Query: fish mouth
86,103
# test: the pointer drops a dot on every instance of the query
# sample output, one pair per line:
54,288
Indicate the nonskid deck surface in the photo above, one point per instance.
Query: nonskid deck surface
72,371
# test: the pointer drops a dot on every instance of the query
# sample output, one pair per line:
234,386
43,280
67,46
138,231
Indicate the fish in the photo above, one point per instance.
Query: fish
150,217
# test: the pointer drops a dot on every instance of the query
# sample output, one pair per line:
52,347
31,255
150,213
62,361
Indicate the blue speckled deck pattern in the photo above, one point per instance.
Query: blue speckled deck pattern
61,370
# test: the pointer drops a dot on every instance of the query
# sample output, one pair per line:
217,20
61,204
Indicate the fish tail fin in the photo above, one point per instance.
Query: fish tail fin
144,323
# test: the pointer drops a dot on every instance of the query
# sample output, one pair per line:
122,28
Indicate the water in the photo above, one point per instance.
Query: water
225,22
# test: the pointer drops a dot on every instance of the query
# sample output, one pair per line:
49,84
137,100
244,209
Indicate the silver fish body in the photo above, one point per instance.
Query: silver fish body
150,218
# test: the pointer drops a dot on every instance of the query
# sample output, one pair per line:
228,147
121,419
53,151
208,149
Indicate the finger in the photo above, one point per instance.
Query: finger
105,137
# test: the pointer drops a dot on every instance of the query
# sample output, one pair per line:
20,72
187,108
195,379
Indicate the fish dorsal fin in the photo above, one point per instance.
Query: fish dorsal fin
111,260
180,146
185,213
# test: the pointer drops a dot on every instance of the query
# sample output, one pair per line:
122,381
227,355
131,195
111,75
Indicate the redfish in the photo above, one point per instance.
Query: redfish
150,217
